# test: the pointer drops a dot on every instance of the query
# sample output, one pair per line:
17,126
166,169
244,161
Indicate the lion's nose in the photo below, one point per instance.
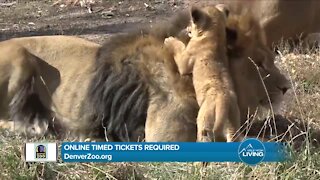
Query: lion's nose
284,90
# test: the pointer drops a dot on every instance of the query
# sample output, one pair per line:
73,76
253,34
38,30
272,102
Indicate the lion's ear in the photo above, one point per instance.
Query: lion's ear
232,36
247,23
199,18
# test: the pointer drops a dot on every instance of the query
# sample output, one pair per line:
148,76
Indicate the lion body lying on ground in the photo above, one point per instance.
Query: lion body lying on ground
51,58
120,90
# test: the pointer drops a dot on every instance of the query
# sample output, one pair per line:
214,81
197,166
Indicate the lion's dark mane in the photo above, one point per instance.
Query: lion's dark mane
119,98
119,92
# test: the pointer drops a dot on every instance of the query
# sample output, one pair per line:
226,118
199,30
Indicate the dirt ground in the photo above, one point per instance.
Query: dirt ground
32,18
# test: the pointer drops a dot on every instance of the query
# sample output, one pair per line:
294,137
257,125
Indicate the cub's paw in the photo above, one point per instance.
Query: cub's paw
170,41
174,44
205,135
205,139
235,137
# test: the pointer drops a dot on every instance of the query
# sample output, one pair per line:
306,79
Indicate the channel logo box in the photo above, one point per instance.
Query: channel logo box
41,152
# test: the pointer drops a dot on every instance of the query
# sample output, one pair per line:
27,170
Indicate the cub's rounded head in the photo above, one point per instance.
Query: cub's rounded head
207,17
213,19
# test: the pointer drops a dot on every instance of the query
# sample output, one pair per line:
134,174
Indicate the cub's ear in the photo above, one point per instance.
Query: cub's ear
199,18
223,8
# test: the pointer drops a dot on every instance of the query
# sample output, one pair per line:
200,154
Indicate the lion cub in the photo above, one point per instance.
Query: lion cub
205,56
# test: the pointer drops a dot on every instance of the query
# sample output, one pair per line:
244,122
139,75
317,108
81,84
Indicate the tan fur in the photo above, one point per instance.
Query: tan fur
205,57
16,65
66,64
282,18
52,56
251,44
163,126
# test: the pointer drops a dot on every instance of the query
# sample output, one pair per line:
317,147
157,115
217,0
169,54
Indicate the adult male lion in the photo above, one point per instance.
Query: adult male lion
67,84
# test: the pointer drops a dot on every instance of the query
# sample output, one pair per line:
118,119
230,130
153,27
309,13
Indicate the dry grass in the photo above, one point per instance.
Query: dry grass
302,67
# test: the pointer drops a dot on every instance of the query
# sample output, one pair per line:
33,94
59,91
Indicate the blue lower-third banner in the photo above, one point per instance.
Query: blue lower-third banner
250,151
